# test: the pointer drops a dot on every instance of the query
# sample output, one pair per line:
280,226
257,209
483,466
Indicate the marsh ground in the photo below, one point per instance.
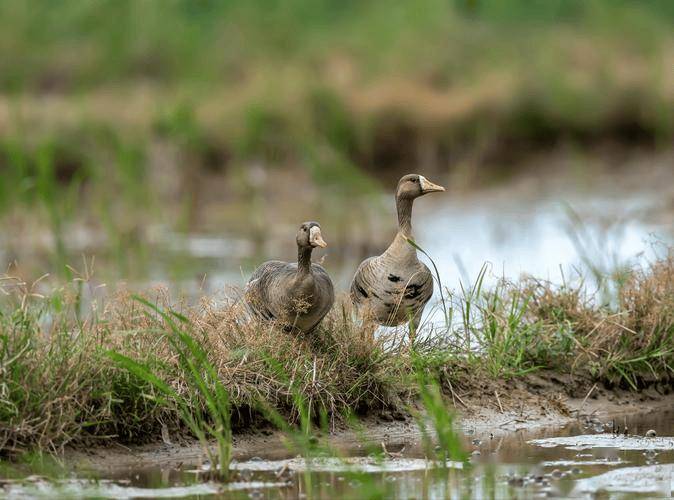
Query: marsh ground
527,408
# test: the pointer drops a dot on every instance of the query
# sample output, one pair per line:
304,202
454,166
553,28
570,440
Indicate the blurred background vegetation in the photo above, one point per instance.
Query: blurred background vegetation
124,120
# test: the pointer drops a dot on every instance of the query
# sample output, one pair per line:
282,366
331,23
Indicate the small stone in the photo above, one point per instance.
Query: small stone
476,442
651,433
556,473
575,470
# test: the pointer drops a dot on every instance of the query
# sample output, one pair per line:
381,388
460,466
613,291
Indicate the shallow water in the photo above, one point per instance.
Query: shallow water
570,462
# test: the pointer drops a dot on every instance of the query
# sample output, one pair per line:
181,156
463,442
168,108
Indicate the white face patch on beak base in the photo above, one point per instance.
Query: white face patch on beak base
427,186
315,237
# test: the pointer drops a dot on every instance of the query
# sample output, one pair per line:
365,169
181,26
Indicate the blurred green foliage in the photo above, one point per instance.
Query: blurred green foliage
124,112
76,45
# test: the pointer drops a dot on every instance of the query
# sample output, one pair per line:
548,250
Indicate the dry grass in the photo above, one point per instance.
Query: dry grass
59,387
631,341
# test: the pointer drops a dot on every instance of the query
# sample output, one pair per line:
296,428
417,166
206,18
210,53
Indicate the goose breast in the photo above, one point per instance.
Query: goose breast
392,293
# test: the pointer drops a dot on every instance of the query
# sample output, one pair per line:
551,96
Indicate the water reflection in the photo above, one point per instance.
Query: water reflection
542,238
507,467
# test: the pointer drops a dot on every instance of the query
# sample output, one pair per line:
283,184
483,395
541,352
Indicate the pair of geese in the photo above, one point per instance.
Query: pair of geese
389,289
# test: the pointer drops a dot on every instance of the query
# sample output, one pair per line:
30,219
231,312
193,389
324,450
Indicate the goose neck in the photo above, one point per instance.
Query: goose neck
404,208
304,260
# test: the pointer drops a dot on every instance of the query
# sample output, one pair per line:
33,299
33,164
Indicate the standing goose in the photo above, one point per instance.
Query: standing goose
297,295
394,287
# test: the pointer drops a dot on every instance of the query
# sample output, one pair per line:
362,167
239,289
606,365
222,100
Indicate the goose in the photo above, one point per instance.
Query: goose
395,286
297,295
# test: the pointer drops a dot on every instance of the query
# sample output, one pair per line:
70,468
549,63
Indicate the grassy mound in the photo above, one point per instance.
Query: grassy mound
60,385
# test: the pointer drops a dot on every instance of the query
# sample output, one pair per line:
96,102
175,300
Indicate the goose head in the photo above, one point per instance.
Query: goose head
412,186
309,236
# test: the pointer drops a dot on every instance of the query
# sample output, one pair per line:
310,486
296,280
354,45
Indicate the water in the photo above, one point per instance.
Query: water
569,462
539,237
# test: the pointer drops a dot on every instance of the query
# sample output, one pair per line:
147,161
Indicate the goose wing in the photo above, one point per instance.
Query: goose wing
263,287
364,280
419,290
325,291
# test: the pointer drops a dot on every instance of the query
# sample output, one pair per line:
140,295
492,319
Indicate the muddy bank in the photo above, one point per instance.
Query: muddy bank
526,407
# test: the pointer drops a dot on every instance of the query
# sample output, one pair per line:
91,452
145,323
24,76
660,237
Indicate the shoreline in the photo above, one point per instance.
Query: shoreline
521,411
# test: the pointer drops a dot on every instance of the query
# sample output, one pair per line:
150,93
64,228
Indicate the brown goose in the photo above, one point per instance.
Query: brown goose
394,287
296,295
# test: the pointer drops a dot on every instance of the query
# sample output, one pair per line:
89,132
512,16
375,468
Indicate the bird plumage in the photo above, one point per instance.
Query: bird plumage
394,287
296,295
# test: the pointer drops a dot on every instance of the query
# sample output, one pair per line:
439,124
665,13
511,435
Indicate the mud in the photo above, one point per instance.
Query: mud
529,404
